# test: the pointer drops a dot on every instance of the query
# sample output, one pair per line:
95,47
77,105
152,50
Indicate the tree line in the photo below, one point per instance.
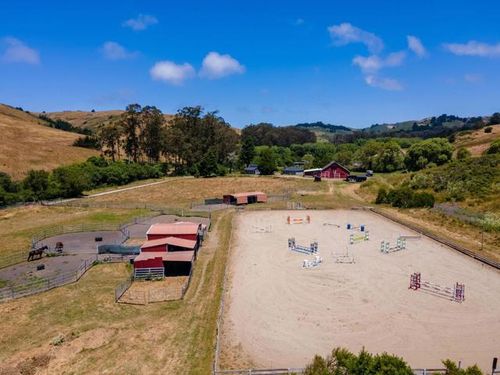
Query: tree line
192,142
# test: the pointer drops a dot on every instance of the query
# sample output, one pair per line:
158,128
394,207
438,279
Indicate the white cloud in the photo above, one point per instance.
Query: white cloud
383,83
18,52
415,45
172,73
142,22
474,48
346,33
374,63
115,51
215,66
473,77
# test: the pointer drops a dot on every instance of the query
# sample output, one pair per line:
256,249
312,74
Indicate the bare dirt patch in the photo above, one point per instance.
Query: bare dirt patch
144,292
280,314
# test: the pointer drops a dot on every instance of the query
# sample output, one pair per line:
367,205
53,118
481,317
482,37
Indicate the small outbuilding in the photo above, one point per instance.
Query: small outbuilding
313,172
245,198
295,170
252,169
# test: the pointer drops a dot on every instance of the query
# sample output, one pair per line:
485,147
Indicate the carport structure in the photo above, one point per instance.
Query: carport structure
245,198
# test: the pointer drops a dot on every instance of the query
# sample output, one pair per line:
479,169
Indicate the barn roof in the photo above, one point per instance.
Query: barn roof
338,164
294,168
246,194
174,241
175,256
173,228
252,167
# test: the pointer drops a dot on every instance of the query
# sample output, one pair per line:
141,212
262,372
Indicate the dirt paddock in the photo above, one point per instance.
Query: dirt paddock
279,314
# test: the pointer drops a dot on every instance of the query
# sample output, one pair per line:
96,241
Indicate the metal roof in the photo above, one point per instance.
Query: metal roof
174,256
246,194
173,228
174,241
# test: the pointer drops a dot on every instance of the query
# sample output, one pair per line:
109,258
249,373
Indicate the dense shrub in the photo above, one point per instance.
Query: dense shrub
461,178
434,150
71,181
488,129
341,361
463,153
404,197
87,141
494,148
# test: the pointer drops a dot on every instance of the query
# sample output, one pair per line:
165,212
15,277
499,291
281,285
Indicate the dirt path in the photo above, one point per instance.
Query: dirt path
114,191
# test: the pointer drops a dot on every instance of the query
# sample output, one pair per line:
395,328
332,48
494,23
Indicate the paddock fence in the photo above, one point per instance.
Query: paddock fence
122,288
162,210
20,256
42,284
147,296
77,228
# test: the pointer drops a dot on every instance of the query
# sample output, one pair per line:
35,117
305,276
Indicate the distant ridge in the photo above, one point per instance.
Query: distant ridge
322,125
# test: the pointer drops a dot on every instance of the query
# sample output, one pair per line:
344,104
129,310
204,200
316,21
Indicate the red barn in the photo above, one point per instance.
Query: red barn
170,250
335,170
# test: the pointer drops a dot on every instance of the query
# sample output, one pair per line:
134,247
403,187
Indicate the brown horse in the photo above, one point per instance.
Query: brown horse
37,253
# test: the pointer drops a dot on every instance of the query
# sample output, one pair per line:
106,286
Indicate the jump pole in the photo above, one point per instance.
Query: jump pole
455,293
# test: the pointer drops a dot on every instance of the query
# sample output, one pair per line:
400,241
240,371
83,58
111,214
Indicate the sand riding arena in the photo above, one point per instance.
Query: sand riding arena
285,302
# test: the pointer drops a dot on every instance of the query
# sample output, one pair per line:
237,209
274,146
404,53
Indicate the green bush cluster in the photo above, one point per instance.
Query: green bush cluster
71,181
343,362
460,179
404,197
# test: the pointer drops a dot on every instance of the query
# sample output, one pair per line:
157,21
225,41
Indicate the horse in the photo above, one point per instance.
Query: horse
37,253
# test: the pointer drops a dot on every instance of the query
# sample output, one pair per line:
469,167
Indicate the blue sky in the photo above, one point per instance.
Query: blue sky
344,62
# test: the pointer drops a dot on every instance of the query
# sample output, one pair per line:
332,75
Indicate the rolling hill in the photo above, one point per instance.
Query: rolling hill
83,119
477,141
89,120
27,142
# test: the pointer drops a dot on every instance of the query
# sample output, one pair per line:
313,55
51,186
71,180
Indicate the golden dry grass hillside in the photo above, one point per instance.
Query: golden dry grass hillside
27,143
91,120
84,119
182,192
477,141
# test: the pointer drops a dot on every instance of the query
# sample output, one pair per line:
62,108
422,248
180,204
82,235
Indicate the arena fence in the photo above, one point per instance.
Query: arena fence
298,371
446,242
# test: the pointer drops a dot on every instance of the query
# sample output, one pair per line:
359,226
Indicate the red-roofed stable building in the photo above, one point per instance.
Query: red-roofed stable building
169,250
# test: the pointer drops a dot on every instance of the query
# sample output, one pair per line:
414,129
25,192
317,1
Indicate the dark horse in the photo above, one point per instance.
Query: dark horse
37,253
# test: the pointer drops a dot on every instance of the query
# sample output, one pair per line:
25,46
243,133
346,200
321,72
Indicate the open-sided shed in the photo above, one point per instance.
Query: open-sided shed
245,198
